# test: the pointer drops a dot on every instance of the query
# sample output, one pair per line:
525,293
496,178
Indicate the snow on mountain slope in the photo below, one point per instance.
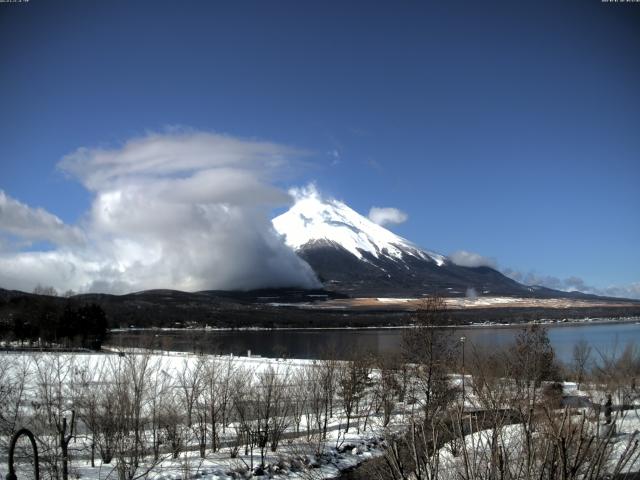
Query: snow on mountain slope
313,219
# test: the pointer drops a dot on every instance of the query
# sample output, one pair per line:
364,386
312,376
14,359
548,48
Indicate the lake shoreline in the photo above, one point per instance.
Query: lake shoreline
550,323
603,335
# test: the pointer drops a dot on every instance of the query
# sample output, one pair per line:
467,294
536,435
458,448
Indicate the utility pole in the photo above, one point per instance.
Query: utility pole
462,340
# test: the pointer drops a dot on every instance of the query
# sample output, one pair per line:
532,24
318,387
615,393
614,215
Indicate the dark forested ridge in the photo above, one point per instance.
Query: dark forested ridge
49,320
80,320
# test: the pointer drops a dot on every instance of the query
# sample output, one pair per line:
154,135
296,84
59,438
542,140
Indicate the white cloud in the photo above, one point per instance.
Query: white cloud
25,270
464,258
28,223
574,283
631,290
185,210
178,153
386,215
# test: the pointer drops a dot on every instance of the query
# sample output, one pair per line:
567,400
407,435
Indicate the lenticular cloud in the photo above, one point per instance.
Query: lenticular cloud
184,210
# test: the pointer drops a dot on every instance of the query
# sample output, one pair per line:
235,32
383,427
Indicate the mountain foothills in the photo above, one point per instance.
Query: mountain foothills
353,255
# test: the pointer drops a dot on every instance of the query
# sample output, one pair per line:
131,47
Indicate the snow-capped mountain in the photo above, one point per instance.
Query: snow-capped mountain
352,254
311,219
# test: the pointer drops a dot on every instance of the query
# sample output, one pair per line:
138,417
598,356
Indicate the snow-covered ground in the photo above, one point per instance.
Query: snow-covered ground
302,452
621,448
303,455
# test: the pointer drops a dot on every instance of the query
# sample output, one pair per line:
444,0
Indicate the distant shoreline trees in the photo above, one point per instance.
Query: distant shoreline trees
68,324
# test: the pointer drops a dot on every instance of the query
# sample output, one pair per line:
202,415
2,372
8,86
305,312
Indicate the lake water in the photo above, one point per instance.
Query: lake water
607,338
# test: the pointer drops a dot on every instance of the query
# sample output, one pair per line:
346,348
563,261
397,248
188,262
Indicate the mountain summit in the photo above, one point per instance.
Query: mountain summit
313,220
351,254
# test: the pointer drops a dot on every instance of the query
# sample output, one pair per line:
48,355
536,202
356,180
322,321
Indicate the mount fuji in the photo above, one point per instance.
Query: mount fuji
351,254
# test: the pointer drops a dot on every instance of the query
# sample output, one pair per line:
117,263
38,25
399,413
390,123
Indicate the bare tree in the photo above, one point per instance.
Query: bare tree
271,410
107,424
224,391
130,380
581,358
533,358
298,396
52,409
14,375
172,421
430,351
201,410
243,400
215,395
88,392
353,380
45,290
320,381
160,386
190,383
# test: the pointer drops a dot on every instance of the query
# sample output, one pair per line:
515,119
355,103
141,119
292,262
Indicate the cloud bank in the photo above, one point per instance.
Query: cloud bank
574,283
183,209
387,215
464,258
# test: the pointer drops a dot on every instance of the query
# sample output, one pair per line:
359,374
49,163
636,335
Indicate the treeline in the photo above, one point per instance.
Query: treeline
51,321
146,310
164,308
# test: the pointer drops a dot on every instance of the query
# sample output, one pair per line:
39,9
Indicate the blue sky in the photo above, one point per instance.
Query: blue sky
510,129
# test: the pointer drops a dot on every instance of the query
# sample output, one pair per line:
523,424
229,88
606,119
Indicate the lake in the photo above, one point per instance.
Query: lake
606,338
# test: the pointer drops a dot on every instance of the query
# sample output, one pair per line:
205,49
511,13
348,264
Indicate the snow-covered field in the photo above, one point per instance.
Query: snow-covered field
620,449
173,386
300,455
